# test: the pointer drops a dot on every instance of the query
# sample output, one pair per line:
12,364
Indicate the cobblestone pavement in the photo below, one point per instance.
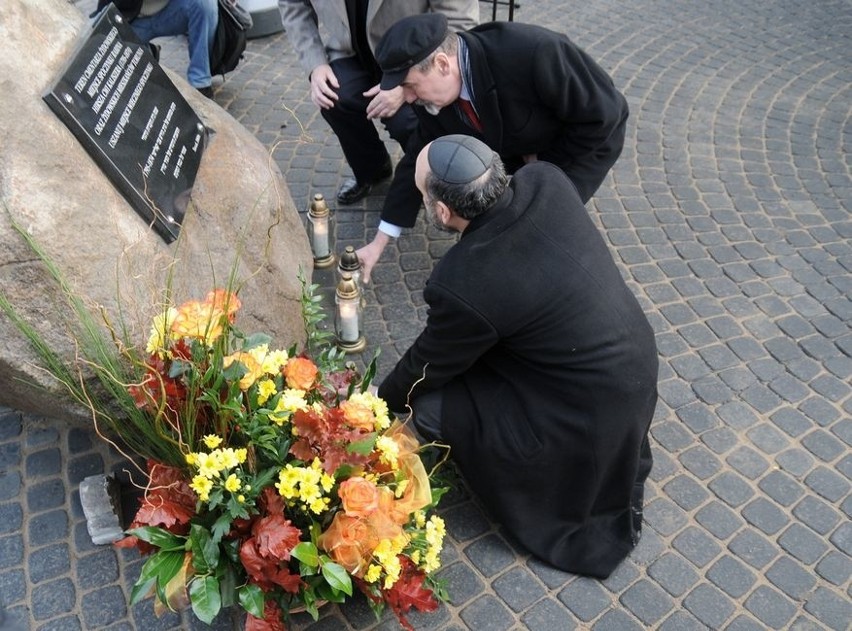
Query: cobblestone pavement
729,214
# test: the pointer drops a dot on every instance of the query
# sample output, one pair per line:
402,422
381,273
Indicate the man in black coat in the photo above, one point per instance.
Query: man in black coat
537,365
528,92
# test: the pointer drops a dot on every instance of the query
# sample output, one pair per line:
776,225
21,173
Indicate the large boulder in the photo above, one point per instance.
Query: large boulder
240,218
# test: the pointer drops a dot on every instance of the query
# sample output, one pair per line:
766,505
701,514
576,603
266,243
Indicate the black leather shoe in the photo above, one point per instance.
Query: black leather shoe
352,190
155,51
206,91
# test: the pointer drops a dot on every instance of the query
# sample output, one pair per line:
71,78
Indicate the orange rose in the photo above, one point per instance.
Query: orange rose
358,415
347,540
300,373
199,320
359,496
224,301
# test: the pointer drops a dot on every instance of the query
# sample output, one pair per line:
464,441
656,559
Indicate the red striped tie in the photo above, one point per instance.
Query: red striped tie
472,118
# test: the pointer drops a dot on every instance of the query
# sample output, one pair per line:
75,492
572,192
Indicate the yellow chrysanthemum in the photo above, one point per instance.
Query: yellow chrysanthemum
212,441
190,458
265,389
160,326
241,498
202,487
389,451
259,353
233,483
400,488
207,464
290,401
273,361
420,518
373,573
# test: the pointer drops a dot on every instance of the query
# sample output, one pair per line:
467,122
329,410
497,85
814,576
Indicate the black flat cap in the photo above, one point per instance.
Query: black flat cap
408,42
459,159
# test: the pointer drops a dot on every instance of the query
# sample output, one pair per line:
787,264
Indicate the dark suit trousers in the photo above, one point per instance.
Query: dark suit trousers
364,150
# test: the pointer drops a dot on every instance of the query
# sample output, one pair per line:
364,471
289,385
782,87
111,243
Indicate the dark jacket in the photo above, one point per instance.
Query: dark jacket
535,92
549,369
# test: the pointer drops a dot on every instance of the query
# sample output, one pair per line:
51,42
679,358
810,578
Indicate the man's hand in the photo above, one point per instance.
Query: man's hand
385,103
324,84
370,253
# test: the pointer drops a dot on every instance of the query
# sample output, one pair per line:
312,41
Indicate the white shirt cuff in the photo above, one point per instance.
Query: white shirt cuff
389,229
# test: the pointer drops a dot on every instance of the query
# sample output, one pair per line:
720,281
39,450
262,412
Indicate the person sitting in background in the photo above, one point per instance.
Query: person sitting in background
197,19
537,365
344,75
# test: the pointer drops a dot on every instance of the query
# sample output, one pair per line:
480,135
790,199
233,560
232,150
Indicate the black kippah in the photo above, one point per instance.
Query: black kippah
459,159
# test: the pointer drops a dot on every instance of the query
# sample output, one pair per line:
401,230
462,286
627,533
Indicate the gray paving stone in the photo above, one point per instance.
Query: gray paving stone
752,548
547,615
673,574
585,598
486,612
830,609
48,562
835,567
765,515
616,620
700,462
647,602
709,605
462,582
65,623
664,516
731,488
802,543
745,623
11,550
52,599
490,554
747,462
789,576
816,514
781,488
686,492
842,538
518,588
44,463
827,483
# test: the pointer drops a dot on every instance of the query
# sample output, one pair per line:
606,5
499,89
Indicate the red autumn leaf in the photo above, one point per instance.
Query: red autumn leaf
275,537
287,580
409,592
256,566
302,450
271,620
271,501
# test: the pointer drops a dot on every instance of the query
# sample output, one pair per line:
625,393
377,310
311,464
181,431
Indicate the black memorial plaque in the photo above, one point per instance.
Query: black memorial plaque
132,120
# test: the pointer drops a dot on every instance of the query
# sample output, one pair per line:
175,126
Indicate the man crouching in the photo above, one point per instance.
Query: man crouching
537,365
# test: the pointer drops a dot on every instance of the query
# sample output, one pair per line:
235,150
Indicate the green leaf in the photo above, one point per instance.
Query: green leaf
141,590
205,599
162,566
370,373
159,537
363,447
307,553
337,576
227,582
221,527
256,339
252,600
205,552
327,592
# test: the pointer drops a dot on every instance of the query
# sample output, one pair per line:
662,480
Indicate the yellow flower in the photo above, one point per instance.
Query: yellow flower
290,401
420,518
373,573
389,450
200,320
241,498
161,324
249,363
400,488
265,389
190,458
273,361
212,441
233,483
208,465
202,487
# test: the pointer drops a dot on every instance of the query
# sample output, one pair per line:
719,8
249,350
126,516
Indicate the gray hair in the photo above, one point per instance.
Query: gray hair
473,198
449,46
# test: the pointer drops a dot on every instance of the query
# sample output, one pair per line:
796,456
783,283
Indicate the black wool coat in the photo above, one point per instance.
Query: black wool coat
549,371
535,92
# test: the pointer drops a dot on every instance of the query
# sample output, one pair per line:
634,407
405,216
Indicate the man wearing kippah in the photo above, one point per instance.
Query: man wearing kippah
526,91
537,365
344,75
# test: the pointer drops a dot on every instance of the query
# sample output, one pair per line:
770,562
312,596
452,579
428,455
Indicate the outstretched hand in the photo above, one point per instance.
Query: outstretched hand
384,103
324,86
370,253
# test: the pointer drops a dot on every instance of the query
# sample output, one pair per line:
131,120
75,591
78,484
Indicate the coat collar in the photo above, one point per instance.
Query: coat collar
485,91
